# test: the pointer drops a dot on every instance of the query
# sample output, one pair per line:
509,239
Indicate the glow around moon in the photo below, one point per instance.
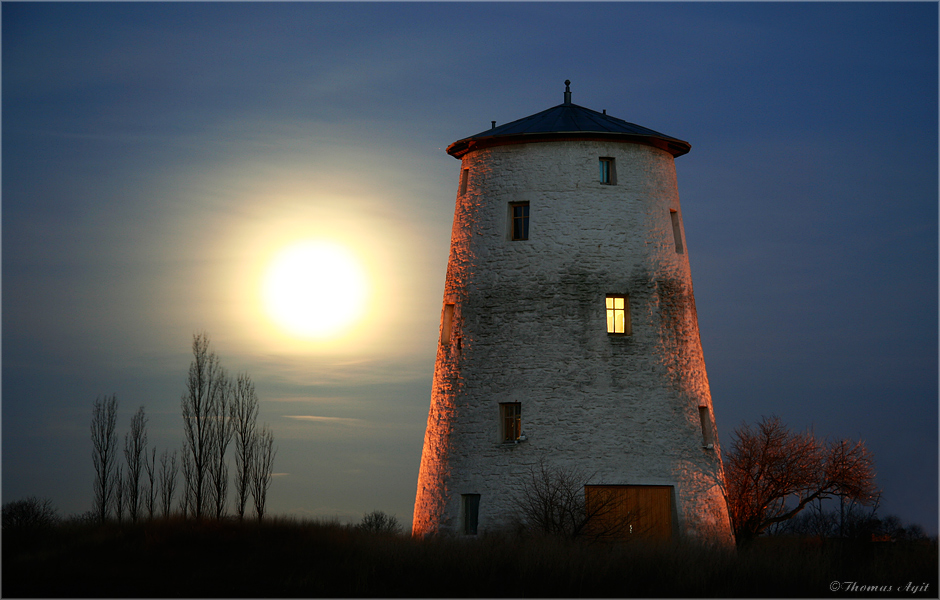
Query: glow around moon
314,289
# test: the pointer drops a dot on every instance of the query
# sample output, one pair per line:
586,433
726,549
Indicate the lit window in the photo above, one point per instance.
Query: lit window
520,220
608,174
510,417
618,315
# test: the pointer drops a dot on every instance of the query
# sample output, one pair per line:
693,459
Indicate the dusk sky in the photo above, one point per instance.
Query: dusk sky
158,158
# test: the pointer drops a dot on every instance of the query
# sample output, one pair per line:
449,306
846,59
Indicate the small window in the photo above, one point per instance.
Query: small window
447,323
708,436
464,176
618,314
676,232
608,174
519,212
510,419
470,513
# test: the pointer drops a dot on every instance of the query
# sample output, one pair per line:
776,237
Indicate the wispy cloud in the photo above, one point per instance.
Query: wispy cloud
318,419
312,399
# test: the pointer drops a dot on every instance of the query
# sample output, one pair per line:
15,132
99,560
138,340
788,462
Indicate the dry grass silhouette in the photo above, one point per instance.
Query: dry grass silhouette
292,558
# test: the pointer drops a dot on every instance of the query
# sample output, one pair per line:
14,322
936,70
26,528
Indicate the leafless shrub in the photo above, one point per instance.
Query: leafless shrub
380,523
553,502
29,513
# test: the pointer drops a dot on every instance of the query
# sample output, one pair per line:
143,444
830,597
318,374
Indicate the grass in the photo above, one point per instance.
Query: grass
291,558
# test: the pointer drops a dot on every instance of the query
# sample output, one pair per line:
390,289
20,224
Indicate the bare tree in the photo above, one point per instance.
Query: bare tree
104,453
244,421
553,501
150,465
135,448
261,471
770,466
221,435
205,389
187,494
168,470
120,494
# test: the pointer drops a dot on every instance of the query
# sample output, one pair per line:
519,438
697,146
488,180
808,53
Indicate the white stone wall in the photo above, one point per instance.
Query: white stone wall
529,326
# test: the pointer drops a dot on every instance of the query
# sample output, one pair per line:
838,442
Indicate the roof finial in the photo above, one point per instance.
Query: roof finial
567,91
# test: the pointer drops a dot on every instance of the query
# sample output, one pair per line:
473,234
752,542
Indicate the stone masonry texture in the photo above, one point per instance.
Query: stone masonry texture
529,326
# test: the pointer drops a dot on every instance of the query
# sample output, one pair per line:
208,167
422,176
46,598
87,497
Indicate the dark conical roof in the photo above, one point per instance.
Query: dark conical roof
567,121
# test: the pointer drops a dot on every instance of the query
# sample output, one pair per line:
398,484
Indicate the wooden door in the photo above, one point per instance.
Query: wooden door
629,511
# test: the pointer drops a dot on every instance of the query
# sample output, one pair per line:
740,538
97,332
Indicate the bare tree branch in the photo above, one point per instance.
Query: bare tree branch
204,387
554,501
104,453
244,419
186,501
168,470
150,465
221,430
120,495
378,522
261,471
773,474
135,447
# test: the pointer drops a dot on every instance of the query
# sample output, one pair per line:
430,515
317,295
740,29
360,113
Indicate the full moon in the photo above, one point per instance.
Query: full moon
314,289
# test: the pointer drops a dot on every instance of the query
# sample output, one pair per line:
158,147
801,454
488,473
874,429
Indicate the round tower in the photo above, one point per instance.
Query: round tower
569,338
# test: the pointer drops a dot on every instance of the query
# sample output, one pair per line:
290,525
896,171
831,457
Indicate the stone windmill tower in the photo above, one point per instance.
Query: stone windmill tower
569,335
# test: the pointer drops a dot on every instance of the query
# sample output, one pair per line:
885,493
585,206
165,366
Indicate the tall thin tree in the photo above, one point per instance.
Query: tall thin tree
135,449
187,493
205,386
261,471
104,453
150,465
245,424
168,470
120,494
221,436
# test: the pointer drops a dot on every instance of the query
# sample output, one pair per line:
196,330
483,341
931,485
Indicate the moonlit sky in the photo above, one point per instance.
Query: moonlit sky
156,157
